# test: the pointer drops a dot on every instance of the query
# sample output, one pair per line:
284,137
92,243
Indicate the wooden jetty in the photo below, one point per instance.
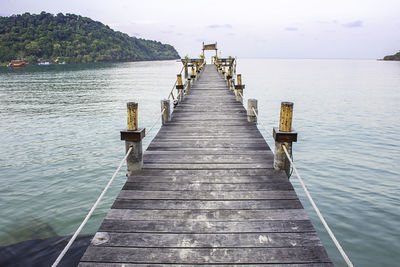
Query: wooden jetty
208,194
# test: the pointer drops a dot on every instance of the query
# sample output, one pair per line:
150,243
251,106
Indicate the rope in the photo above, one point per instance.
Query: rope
62,254
265,129
173,87
154,124
339,247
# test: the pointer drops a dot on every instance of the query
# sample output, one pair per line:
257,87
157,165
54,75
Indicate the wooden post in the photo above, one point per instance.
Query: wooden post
239,79
186,71
132,118
251,115
285,122
166,115
193,74
133,138
239,89
179,87
232,86
284,136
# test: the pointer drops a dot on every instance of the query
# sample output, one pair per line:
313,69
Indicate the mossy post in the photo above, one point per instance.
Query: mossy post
284,135
239,89
179,87
166,111
133,138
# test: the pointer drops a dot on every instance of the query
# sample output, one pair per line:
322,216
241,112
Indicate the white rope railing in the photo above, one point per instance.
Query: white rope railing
154,124
71,241
262,125
328,229
62,254
64,251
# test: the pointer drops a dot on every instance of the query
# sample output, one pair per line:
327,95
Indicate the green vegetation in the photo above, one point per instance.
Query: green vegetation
73,39
393,57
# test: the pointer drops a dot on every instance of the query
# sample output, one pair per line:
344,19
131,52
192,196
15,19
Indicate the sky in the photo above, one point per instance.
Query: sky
356,29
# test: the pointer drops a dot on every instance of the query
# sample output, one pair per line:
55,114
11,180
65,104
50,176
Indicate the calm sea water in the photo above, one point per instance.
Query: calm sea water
59,132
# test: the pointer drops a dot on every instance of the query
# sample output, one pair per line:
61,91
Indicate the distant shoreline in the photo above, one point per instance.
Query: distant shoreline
4,64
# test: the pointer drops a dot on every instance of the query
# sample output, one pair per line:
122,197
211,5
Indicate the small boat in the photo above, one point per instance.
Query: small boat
17,64
45,63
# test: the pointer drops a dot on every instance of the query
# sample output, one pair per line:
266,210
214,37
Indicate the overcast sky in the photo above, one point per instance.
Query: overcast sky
268,28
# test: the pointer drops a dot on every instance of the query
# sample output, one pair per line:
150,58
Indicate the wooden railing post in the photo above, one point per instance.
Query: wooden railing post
239,89
179,87
186,71
133,138
252,110
193,76
232,86
166,111
229,77
284,135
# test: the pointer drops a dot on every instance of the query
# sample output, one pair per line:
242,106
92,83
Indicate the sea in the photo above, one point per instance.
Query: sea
60,143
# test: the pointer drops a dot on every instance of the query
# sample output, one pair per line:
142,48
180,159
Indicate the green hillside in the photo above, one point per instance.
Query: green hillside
393,57
73,39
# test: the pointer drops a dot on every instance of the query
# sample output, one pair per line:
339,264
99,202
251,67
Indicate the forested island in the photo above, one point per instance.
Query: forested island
72,39
393,57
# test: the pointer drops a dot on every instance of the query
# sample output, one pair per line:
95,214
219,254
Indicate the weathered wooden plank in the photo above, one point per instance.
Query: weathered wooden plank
209,143
174,137
206,204
215,159
207,215
102,264
204,195
208,194
208,179
215,240
207,187
207,166
206,255
208,173
192,226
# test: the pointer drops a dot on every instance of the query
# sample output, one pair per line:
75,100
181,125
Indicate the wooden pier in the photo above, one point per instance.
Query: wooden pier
208,195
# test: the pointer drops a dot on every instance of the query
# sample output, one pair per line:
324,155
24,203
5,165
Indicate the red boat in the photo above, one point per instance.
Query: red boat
17,64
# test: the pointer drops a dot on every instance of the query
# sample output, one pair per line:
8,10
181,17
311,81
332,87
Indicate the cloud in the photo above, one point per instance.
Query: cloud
327,22
215,26
291,29
353,24
145,22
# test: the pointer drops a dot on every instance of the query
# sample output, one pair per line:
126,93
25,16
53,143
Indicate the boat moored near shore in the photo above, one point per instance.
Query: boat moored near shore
17,64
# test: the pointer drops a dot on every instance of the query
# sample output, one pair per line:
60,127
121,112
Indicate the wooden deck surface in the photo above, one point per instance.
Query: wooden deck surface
208,195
